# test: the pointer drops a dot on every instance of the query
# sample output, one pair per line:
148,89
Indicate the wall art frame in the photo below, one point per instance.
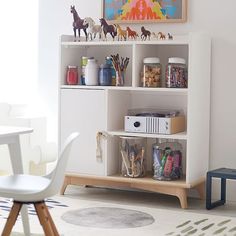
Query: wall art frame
145,11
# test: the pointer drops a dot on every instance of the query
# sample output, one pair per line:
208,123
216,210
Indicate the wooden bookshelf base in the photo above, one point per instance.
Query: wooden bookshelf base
178,188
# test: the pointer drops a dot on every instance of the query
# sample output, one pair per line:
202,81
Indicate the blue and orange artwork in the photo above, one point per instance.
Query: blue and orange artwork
142,9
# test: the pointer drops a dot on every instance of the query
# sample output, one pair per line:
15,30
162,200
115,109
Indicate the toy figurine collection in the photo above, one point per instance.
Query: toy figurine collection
91,30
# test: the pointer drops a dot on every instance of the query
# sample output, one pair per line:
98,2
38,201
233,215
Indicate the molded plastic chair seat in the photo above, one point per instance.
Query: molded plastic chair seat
34,189
24,187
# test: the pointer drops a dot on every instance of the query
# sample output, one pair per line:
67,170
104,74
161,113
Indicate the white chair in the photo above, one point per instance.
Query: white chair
26,189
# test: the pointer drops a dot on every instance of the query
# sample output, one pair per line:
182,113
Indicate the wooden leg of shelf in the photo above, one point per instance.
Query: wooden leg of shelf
65,184
181,193
201,190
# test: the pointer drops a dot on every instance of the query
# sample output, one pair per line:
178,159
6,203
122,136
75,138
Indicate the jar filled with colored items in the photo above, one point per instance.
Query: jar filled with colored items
72,75
105,75
167,161
176,73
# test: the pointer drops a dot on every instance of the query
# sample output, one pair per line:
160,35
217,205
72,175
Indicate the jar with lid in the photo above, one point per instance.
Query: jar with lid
72,75
151,75
105,75
91,72
176,73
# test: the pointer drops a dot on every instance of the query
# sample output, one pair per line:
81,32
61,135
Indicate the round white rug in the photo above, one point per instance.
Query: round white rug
108,217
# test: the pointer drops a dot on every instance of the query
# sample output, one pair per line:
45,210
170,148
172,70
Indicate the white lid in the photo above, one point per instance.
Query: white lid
177,60
151,60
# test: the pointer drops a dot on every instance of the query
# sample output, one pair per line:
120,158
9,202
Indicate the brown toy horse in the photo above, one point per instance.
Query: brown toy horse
78,23
111,29
131,33
161,35
145,33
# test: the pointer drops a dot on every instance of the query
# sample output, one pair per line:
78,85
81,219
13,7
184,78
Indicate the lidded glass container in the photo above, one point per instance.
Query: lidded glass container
151,75
72,75
132,152
176,73
105,75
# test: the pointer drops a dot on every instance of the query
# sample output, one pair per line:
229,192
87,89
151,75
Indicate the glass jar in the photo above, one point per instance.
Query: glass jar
113,72
132,151
151,76
72,75
167,160
176,73
84,61
105,75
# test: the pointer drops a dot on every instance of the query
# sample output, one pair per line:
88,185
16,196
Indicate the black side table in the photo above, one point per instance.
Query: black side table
223,174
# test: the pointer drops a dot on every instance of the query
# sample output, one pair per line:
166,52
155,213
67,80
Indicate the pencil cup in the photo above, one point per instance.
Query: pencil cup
132,151
120,78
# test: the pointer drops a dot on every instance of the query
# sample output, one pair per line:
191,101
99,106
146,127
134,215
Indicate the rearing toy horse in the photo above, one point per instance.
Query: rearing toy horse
78,23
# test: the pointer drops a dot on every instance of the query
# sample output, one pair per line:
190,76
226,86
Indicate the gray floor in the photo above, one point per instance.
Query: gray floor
146,199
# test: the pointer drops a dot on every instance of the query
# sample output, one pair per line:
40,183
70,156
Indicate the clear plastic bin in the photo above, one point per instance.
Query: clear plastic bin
132,151
167,161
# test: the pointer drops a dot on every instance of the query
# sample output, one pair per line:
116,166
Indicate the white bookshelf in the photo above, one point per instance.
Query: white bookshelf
92,109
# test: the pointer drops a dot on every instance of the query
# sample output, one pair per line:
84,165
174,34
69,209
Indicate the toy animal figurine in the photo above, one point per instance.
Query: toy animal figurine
111,29
145,33
170,36
161,35
121,33
155,36
78,23
131,33
93,29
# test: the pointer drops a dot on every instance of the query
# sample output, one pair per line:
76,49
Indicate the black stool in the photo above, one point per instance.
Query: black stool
223,174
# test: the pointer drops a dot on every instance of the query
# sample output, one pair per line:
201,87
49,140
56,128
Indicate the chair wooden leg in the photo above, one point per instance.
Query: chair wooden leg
43,218
51,221
11,220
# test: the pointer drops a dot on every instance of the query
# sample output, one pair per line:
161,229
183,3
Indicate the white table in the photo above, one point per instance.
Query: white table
10,135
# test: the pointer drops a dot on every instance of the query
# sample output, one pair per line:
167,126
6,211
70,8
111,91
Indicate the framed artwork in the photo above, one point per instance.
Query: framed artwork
144,11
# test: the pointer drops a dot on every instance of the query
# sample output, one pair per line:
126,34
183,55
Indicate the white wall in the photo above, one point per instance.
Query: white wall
213,16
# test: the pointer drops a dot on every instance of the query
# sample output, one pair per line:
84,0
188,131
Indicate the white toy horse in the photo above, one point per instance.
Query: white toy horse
92,29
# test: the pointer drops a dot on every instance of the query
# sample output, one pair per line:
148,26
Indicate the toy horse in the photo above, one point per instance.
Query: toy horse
93,29
145,33
154,35
170,36
131,33
121,33
161,35
111,29
78,23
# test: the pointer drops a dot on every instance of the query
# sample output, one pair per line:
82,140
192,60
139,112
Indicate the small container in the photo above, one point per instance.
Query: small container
84,61
167,161
91,72
105,75
132,151
113,72
72,75
151,76
176,73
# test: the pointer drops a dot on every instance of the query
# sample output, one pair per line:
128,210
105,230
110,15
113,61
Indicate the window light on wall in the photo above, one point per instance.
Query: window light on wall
18,50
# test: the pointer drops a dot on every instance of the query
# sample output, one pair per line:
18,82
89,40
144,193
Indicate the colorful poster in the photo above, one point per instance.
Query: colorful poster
144,10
